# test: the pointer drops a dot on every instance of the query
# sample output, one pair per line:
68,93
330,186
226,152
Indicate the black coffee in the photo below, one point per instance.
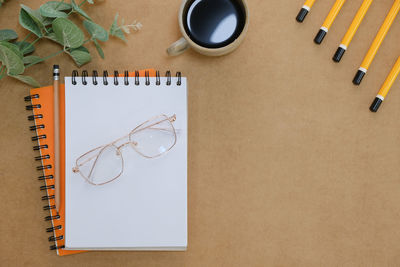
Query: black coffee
214,23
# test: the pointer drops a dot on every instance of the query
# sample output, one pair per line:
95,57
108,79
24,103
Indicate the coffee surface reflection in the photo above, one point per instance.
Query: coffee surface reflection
214,23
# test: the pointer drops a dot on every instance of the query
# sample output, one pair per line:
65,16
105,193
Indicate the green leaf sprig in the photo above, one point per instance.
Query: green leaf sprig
51,21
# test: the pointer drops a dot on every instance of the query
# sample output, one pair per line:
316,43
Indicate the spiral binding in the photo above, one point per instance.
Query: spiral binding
44,178
35,127
54,238
84,78
32,107
49,207
137,77
43,167
34,117
39,137
45,187
40,147
94,77
30,97
147,78
126,76
42,157
85,81
49,218
158,81
51,229
168,74
105,76
116,75
47,197
54,247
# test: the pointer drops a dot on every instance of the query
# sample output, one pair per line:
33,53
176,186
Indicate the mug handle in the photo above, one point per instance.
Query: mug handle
178,47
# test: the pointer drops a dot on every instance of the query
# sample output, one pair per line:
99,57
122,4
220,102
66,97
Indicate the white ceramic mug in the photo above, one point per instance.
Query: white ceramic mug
185,42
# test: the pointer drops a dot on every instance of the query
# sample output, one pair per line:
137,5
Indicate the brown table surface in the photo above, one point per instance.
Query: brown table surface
287,166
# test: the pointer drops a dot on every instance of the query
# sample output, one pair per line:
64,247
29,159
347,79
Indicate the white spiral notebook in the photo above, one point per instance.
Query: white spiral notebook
145,207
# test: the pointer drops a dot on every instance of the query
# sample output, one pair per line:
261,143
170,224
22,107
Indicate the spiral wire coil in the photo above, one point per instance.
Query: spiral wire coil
126,76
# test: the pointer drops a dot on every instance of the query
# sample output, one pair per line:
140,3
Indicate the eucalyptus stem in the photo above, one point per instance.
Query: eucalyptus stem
27,36
45,58
31,44
2,68
84,1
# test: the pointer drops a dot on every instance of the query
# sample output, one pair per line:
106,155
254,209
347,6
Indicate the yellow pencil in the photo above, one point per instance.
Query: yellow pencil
369,57
391,78
304,10
352,30
329,21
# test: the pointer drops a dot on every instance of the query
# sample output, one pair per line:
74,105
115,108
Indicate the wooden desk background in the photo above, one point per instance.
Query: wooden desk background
287,167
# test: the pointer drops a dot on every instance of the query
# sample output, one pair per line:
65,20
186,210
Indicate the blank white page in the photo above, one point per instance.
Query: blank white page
146,207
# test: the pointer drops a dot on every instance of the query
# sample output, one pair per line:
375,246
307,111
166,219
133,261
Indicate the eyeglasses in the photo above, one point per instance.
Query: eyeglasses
150,139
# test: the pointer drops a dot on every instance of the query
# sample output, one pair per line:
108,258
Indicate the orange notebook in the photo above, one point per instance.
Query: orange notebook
42,107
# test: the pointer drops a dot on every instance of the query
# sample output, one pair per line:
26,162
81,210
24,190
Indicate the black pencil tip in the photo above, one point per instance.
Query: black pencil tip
320,36
359,77
302,15
376,104
339,54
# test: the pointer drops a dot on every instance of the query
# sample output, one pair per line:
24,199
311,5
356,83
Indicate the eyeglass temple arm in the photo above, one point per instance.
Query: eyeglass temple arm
170,119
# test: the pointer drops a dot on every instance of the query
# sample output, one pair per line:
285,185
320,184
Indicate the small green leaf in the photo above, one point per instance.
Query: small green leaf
115,30
95,30
35,15
3,71
29,21
51,10
98,48
68,33
27,79
25,47
80,55
7,34
37,18
90,2
79,10
12,47
11,60
32,60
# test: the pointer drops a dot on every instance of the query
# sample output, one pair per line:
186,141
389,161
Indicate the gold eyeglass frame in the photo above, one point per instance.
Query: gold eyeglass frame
131,143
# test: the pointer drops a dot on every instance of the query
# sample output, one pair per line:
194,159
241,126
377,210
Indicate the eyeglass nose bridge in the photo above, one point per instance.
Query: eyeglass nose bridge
133,144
